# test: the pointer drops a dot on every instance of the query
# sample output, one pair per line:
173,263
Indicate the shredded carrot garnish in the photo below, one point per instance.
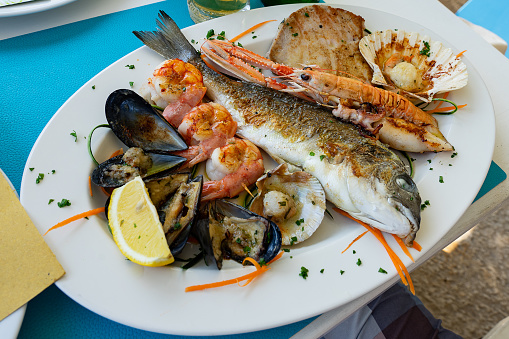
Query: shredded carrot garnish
117,152
90,185
105,191
249,277
398,264
444,109
358,237
250,30
460,54
76,217
416,246
403,247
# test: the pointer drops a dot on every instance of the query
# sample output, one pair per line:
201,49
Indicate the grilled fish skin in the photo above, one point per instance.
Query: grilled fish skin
359,175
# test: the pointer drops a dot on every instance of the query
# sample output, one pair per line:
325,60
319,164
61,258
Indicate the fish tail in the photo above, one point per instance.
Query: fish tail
168,40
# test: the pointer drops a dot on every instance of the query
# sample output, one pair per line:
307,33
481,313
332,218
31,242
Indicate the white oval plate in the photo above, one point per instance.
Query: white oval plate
9,326
31,7
102,280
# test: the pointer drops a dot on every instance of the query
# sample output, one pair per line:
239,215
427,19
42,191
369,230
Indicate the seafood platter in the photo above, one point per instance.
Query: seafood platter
246,153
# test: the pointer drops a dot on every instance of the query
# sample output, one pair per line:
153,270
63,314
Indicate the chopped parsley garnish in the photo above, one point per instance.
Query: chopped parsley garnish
306,15
367,31
131,83
321,271
53,171
424,205
254,37
441,179
359,262
295,34
454,154
312,154
303,272
282,203
247,249
341,272
31,169
64,203
135,225
192,41
221,36
73,133
210,33
130,66
354,252
429,161
425,51
381,270
39,178
286,250
93,87
50,201
322,157
237,240
300,221
262,262
177,226
293,240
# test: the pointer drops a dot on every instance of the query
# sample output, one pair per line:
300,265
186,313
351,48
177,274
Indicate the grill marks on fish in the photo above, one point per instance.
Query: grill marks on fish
297,121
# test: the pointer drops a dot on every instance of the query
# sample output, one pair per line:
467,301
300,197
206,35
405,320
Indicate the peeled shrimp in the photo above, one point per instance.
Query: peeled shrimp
176,86
232,167
205,128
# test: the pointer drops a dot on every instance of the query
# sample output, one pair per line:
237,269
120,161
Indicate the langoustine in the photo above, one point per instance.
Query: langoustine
390,115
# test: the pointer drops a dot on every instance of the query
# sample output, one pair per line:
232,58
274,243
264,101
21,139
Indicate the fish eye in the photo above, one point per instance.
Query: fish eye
404,182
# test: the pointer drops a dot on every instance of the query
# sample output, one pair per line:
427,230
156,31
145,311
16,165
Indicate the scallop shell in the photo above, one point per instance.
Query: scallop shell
307,194
438,71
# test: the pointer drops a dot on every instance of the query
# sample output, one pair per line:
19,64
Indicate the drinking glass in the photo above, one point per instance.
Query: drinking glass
202,10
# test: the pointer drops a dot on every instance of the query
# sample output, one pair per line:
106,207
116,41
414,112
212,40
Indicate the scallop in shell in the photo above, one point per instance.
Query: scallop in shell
294,201
412,64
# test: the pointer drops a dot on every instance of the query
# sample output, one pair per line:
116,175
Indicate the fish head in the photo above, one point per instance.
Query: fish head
388,200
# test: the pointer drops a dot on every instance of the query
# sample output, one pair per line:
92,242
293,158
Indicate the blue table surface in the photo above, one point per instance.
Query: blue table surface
43,70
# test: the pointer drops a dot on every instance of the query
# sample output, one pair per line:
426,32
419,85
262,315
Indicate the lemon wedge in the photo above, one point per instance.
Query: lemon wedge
135,225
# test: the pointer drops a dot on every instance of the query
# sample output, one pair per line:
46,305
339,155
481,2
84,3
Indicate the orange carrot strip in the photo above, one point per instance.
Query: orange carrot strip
358,237
105,191
90,185
117,152
249,277
444,109
276,258
416,246
460,54
403,247
227,282
250,30
398,264
76,217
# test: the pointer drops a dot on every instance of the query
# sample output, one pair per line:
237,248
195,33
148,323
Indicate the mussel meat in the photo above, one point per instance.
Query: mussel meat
228,231
137,124
121,169
178,212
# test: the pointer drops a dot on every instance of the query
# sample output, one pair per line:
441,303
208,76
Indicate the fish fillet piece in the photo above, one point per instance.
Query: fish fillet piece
324,36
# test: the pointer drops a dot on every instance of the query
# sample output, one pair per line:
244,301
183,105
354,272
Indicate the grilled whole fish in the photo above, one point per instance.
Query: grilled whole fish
360,175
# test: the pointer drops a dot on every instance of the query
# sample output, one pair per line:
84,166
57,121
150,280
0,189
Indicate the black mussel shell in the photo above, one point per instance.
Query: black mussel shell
178,213
137,124
114,172
229,231
162,187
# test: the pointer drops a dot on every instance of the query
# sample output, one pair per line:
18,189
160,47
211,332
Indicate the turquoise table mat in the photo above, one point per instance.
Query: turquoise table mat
490,14
40,72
